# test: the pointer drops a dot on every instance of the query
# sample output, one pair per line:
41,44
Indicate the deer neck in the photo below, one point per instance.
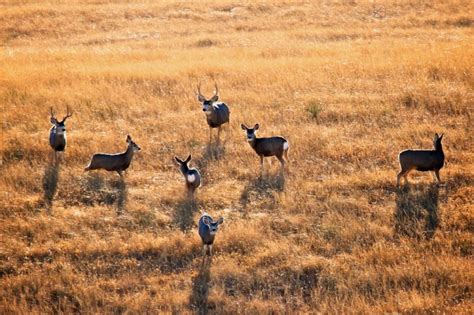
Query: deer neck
253,142
184,170
129,154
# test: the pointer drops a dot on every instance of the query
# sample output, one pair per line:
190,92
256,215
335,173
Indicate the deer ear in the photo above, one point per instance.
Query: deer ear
188,159
243,127
220,221
214,98
206,220
436,137
200,98
54,121
441,137
256,127
178,160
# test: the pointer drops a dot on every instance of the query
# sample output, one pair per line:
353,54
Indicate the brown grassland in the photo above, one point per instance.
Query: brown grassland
348,83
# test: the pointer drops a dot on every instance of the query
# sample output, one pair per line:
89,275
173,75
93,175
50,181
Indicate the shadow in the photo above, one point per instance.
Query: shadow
50,184
96,190
198,300
416,213
212,152
262,187
122,196
184,213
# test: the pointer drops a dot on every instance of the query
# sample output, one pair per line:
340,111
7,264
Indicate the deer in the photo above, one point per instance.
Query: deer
191,175
57,133
422,160
266,147
217,113
114,162
207,231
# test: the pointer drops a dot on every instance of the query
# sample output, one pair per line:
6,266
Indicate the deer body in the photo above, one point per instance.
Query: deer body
217,115
57,139
264,147
114,162
422,160
207,231
192,176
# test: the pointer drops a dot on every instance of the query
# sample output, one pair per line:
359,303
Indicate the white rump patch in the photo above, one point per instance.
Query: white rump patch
285,146
191,178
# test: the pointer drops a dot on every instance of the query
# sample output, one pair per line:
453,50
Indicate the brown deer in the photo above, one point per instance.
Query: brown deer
114,162
191,175
217,113
422,160
272,146
57,133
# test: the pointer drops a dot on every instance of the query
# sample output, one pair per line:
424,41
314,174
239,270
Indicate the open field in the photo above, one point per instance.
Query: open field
348,83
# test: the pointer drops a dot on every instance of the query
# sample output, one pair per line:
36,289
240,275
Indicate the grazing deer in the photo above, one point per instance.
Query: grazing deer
114,162
422,160
272,146
217,113
207,231
57,134
191,175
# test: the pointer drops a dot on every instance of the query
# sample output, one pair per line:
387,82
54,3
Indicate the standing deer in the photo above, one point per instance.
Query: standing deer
57,133
422,160
217,113
207,231
114,162
272,146
191,175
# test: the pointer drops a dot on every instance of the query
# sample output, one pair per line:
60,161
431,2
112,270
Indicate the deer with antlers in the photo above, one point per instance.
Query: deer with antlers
217,113
57,134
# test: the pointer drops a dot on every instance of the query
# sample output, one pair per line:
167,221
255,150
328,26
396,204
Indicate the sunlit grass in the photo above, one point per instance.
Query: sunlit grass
349,84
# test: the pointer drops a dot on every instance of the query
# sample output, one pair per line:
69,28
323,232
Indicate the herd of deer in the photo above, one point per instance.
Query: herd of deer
218,114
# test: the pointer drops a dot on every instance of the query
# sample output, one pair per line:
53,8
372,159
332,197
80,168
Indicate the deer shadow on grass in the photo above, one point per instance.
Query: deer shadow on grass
213,151
122,196
198,301
50,183
96,190
416,213
184,213
262,187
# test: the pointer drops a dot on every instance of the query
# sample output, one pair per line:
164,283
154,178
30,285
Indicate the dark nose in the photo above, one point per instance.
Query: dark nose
203,109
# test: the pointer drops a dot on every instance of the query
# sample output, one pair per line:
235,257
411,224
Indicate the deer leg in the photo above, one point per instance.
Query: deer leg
261,164
210,134
406,176
285,153
218,133
282,161
437,176
210,250
204,249
400,175
190,194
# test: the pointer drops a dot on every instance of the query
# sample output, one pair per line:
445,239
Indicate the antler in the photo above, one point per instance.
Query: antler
199,89
198,93
69,114
217,90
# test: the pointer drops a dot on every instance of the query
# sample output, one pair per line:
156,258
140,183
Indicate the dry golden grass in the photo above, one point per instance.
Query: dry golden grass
349,83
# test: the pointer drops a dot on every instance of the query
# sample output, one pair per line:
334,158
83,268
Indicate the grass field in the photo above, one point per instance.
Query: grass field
349,83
